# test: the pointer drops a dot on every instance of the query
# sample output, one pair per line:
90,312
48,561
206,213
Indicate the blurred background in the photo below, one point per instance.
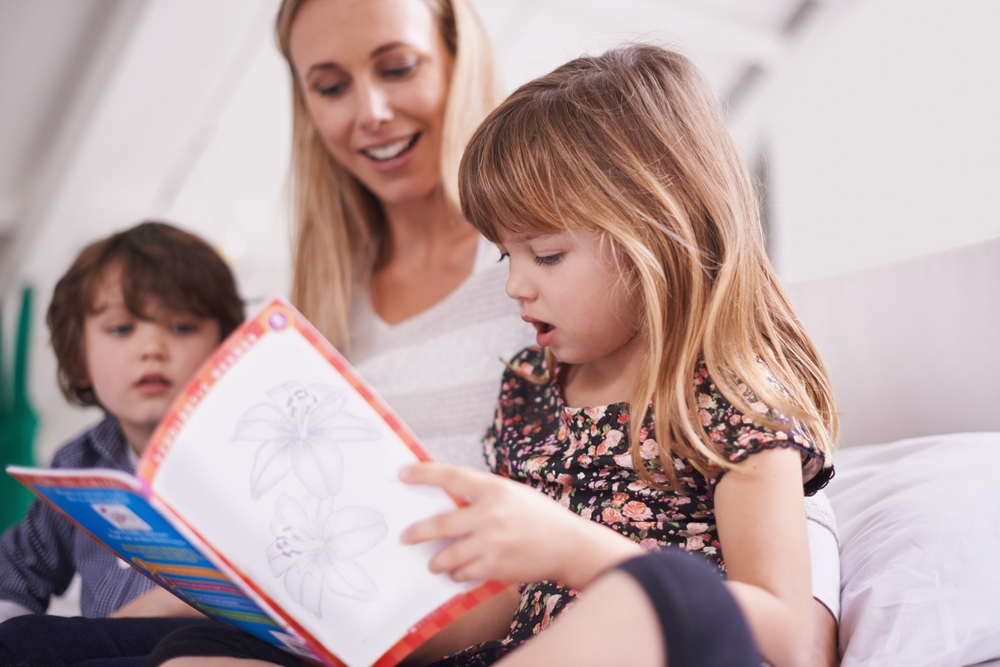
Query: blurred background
872,126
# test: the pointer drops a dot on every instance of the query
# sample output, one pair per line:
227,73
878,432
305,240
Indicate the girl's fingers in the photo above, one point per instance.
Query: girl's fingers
455,557
450,524
456,480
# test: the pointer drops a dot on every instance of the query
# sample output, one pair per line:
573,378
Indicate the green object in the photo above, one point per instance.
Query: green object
18,422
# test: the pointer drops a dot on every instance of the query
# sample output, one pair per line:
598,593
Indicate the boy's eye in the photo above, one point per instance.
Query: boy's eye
548,260
184,327
120,329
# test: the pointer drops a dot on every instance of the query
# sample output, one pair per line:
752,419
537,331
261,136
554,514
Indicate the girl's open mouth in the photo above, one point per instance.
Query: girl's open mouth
546,332
542,327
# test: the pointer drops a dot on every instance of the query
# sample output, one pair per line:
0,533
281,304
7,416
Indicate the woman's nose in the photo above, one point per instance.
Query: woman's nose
373,106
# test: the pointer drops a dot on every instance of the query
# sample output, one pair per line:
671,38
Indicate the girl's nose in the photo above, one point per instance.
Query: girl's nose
373,106
519,287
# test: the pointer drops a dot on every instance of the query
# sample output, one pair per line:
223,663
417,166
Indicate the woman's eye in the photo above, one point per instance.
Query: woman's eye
399,70
548,260
334,90
397,73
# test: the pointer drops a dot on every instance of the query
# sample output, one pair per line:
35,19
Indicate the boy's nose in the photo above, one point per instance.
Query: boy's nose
153,346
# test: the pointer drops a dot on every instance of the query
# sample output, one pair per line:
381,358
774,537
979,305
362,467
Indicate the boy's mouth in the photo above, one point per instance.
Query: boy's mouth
153,384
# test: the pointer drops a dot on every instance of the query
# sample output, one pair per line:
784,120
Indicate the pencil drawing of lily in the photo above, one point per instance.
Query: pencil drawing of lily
316,545
301,429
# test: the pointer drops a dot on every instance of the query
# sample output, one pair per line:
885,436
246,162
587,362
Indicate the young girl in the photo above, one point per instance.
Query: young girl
629,220
635,251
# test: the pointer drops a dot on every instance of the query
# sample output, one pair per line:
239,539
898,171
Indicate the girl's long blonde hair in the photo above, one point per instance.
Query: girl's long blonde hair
338,224
632,144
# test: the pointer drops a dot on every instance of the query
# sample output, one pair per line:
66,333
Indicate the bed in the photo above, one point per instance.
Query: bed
913,351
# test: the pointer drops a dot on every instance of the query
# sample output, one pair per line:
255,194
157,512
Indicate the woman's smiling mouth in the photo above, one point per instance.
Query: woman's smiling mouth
390,151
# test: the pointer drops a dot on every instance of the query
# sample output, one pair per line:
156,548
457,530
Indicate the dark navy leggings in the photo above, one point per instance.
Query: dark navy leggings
35,640
699,619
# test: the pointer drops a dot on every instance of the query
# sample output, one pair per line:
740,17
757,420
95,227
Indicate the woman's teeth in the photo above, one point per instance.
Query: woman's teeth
383,153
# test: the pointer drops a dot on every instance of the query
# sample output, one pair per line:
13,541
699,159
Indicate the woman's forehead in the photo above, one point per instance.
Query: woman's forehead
344,33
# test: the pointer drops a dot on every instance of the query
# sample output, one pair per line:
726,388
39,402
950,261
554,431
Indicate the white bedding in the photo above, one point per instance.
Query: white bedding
919,524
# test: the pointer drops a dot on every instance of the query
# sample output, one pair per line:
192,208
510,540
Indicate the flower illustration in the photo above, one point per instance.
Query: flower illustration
301,429
315,546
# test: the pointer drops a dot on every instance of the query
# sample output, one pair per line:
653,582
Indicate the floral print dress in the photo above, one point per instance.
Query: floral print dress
581,458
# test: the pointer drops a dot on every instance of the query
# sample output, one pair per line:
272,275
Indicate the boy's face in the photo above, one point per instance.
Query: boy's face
138,366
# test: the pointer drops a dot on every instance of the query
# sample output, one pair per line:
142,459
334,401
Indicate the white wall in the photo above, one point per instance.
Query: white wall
191,126
884,137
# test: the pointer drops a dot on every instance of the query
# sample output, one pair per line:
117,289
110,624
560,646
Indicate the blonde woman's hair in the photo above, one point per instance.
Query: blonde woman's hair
632,145
338,224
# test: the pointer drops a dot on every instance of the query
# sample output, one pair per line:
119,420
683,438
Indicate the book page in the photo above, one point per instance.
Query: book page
287,467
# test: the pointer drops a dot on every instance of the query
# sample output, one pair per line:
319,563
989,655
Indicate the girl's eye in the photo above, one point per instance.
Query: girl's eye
503,256
548,260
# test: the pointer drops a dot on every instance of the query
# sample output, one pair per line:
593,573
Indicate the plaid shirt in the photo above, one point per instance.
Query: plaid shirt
40,555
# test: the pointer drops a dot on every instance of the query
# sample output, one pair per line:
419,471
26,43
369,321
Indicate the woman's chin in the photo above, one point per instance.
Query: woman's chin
405,190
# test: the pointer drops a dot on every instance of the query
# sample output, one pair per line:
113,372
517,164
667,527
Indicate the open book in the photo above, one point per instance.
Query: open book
268,498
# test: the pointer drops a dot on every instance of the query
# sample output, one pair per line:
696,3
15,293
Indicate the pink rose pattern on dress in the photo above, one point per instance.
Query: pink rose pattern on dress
581,458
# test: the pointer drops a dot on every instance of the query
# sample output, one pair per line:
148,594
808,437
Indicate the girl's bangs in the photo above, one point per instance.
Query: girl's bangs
513,179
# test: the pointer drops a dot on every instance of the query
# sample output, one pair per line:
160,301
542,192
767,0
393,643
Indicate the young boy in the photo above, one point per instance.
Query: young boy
131,322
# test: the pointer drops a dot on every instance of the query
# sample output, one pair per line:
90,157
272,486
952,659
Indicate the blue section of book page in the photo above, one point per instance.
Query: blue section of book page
124,521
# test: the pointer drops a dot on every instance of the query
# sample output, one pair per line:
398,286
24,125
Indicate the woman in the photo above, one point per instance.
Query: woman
386,94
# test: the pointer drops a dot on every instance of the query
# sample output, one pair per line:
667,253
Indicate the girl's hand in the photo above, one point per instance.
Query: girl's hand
512,532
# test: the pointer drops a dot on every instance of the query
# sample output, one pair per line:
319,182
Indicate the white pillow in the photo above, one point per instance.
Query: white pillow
919,527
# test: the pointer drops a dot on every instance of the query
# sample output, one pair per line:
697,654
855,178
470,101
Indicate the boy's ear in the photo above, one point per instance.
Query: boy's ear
83,381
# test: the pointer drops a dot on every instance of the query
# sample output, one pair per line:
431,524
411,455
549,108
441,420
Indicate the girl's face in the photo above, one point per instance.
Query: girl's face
374,75
570,289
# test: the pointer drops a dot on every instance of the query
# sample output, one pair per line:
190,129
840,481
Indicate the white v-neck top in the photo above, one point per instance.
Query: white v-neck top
440,370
